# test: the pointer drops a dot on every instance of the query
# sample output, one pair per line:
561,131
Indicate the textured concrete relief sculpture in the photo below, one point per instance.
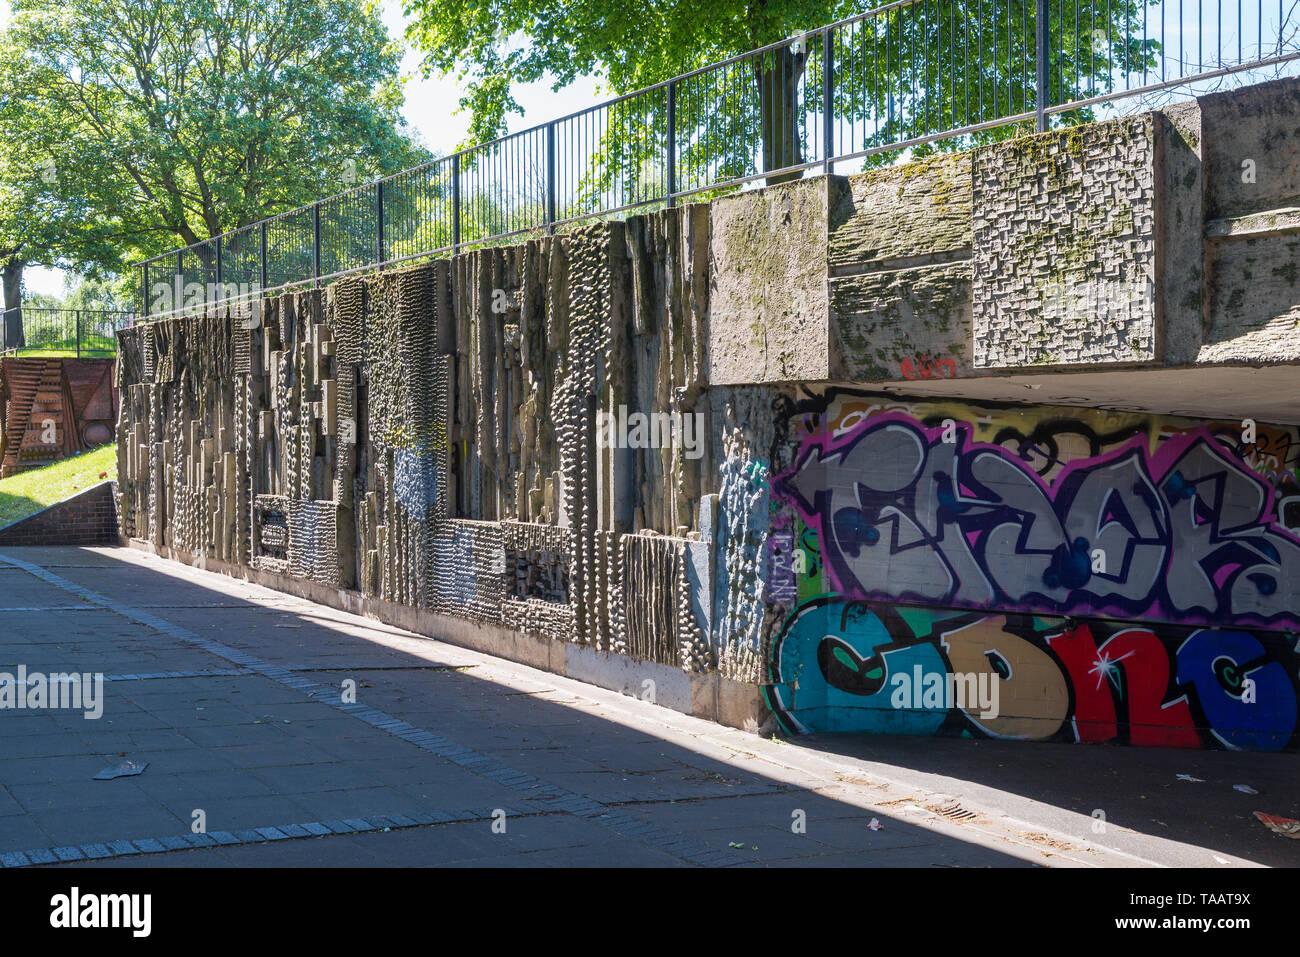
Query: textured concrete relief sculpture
427,437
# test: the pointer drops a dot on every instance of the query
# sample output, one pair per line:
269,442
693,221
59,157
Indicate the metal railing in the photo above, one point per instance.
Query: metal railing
905,74
50,331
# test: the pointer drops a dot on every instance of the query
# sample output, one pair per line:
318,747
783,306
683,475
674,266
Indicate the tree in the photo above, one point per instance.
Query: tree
899,75
203,116
47,216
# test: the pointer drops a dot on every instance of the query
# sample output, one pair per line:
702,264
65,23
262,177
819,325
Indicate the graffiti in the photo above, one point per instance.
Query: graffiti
1221,666
1053,441
780,583
832,665
835,662
923,367
1271,453
1131,668
933,539
1181,534
1288,513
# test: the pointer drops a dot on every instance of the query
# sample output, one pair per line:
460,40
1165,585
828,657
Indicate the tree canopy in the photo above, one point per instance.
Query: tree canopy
155,124
494,45
907,73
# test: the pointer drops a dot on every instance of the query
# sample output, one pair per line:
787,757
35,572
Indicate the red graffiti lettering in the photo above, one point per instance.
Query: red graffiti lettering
1094,708
1133,667
923,367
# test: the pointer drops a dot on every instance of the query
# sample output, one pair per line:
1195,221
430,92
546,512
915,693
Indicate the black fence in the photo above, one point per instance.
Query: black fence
905,74
31,331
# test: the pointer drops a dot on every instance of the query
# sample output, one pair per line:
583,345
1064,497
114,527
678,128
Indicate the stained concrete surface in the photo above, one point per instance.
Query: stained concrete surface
223,687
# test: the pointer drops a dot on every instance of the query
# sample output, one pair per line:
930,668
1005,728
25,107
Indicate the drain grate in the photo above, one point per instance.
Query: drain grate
955,812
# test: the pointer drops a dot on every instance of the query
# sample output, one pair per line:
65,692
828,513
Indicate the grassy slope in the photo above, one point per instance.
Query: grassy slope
31,491
92,347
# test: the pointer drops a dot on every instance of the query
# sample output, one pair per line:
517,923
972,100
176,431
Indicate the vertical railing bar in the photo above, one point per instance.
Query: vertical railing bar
455,204
315,232
672,143
828,101
1043,47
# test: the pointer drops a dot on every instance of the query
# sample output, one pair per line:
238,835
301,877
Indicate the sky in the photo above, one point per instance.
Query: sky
431,104
431,109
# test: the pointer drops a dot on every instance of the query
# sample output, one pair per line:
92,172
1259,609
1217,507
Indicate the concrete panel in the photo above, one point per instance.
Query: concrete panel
908,324
1251,149
1180,226
1254,300
672,686
921,209
1065,247
768,315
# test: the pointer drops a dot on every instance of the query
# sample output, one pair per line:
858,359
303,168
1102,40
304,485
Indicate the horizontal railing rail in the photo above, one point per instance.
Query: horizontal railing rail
908,73
29,330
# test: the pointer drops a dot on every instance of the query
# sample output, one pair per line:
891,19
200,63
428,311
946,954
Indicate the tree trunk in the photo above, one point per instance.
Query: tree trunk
11,275
778,73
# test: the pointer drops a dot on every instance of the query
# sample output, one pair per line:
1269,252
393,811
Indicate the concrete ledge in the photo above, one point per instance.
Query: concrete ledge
707,696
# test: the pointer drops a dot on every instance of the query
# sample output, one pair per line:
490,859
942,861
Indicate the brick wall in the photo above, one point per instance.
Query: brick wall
88,518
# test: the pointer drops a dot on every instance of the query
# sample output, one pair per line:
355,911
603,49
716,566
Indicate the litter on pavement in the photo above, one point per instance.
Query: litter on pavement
1286,826
121,770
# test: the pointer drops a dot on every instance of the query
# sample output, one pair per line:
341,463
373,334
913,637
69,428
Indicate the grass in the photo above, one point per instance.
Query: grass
29,492
92,347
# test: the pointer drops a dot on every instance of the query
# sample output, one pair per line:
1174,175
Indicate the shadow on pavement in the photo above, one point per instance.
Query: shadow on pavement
252,750
1136,788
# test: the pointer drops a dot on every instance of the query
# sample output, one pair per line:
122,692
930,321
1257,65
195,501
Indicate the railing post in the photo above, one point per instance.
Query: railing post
672,144
261,255
550,178
1042,51
455,204
828,100
379,221
179,285
315,231
144,287
78,321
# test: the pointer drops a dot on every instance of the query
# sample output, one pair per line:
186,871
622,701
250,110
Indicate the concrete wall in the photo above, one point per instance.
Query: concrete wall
714,443
1162,240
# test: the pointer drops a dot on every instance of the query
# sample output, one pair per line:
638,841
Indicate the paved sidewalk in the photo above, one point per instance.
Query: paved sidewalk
233,694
